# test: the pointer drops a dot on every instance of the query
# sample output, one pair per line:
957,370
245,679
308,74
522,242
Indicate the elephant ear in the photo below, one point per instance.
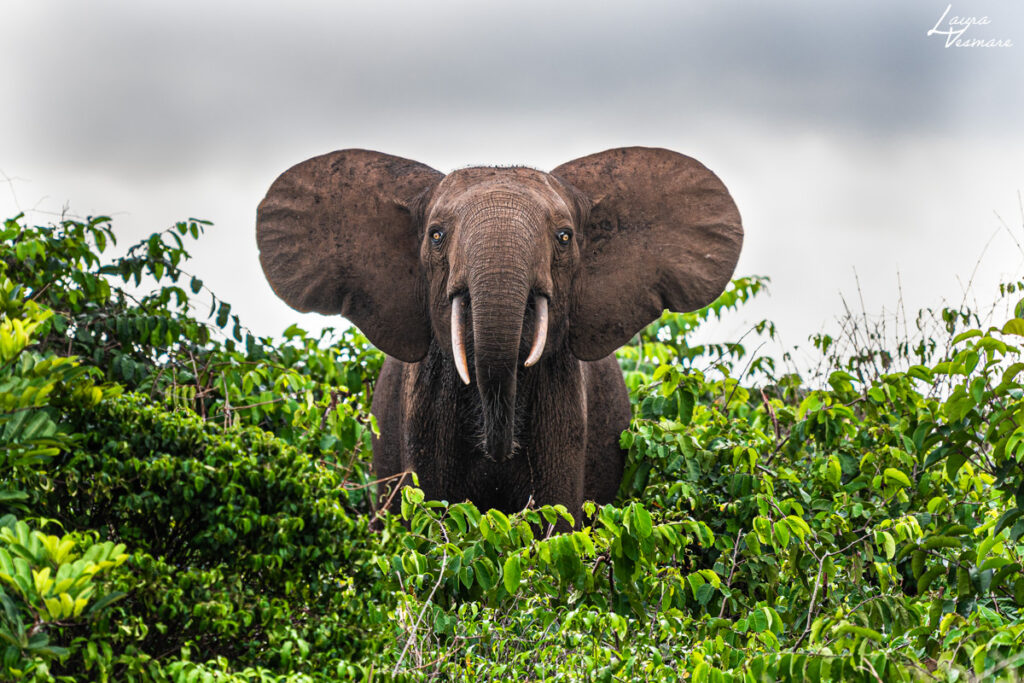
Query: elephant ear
338,234
662,232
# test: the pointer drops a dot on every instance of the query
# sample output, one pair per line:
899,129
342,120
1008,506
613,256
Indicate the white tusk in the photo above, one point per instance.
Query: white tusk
458,348
540,333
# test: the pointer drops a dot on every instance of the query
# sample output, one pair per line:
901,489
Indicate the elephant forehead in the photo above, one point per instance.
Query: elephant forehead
526,187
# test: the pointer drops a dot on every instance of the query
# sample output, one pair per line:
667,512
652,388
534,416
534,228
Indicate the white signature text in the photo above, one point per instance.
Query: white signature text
955,28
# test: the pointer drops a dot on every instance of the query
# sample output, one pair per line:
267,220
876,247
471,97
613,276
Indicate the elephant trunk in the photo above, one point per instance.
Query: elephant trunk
498,303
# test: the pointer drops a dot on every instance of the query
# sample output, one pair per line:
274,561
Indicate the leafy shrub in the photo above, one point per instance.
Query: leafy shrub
46,584
214,501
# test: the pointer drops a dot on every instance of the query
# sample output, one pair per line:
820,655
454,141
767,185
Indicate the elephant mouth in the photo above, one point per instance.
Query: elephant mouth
460,307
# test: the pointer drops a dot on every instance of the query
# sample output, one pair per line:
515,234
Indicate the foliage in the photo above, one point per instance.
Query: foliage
210,500
44,584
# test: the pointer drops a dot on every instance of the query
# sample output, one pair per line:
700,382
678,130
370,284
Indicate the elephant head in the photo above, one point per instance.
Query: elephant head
501,268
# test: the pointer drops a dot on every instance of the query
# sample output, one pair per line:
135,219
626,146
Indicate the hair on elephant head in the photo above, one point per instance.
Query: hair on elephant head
499,295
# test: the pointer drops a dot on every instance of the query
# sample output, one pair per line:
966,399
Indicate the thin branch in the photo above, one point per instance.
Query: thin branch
732,570
771,414
437,584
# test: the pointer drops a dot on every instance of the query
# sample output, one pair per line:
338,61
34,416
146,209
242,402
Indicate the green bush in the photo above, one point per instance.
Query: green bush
45,585
211,503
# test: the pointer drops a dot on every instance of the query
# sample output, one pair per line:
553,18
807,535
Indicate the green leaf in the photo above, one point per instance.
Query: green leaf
1014,326
811,403
1006,520
833,471
222,314
921,372
966,335
954,462
889,545
686,403
924,582
511,573
753,545
638,520
696,581
860,631
486,573
704,594
781,532
758,620
892,474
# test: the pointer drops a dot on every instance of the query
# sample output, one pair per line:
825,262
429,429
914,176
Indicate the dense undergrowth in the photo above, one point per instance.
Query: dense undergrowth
180,500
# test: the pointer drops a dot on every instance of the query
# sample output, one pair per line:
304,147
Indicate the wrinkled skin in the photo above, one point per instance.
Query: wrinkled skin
514,432
603,244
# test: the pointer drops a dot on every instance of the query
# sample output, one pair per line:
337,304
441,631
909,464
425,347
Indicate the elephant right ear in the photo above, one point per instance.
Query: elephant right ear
338,234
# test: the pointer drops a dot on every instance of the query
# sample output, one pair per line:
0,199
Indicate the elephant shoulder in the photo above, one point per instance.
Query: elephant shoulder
608,416
604,376
607,398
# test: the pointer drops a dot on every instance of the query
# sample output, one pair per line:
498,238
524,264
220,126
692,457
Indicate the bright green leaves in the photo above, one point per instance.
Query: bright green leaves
410,498
814,402
886,543
762,619
1014,326
511,573
833,471
675,398
33,388
896,477
637,521
1014,445
779,533
45,581
268,547
16,333
703,583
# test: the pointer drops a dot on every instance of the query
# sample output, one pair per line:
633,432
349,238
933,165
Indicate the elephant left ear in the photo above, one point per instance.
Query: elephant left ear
663,232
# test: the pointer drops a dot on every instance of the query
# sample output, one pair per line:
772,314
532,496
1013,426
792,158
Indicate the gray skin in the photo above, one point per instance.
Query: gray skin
515,432
606,242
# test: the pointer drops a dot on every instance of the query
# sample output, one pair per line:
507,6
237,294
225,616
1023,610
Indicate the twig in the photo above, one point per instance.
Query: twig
771,414
228,420
814,599
375,481
437,584
732,570
989,674
745,369
330,408
394,490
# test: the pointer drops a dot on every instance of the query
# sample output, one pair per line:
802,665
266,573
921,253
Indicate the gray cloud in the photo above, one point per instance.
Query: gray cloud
849,137
154,88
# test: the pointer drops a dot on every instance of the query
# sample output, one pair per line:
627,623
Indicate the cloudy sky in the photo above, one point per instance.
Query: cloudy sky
857,146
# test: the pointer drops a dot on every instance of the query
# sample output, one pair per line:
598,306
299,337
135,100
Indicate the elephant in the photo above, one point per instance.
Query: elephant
499,295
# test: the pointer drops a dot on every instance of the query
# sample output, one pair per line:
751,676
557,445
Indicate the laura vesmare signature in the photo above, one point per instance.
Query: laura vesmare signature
956,27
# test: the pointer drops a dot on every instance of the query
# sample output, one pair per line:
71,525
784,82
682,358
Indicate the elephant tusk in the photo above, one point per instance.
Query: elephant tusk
540,334
458,347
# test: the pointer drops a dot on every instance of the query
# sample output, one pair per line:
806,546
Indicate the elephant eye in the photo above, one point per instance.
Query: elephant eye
436,235
564,236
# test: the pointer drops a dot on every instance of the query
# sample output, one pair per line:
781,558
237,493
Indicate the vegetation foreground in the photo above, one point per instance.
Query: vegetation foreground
180,500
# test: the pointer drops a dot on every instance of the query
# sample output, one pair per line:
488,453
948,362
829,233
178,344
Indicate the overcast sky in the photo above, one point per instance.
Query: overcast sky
852,141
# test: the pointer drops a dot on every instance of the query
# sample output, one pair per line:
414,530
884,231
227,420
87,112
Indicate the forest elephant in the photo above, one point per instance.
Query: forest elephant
499,296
